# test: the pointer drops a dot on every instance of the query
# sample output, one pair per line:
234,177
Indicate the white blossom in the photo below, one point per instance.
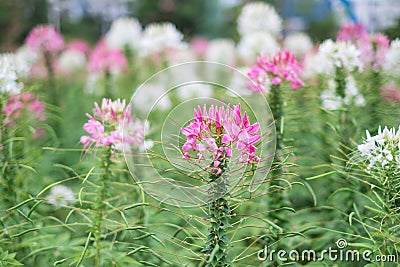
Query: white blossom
251,45
61,196
9,74
338,54
331,101
298,43
71,60
221,51
383,149
259,17
160,37
124,32
392,62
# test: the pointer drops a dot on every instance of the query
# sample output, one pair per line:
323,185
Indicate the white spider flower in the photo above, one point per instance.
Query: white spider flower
61,196
392,62
124,32
299,43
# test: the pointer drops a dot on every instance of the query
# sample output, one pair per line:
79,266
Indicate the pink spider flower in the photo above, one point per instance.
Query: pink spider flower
217,132
112,125
45,38
351,32
79,45
23,104
104,59
281,66
373,49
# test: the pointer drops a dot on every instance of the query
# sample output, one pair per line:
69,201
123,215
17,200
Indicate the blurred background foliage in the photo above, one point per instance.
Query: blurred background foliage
207,18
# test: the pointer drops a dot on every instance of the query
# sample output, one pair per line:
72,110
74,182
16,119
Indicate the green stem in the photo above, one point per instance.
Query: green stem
107,84
99,204
216,247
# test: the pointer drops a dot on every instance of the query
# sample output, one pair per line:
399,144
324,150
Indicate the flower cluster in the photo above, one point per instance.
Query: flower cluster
21,105
392,60
112,125
74,57
104,59
124,33
298,43
351,32
332,101
159,38
332,55
373,50
9,73
382,150
218,131
45,38
259,17
280,66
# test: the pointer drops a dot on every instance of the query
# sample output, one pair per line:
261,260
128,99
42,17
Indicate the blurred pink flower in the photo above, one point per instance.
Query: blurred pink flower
104,59
199,46
112,124
79,45
45,38
279,67
219,131
24,106
352,32
373,49
390,93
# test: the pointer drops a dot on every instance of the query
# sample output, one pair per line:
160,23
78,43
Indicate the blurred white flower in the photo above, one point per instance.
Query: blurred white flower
251,45
259,17
240,83
189,91
392,62
298,43
124,32
9,73
383,149
152,94
331,101
61,196
221,51
25,59
71,60
159,38
337,54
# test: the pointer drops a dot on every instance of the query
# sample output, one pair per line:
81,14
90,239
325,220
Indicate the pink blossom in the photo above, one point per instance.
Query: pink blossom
390,93
351,32
199,46
373,49
79,45
218,131
104,59
24,106
281,66
112,125
45,38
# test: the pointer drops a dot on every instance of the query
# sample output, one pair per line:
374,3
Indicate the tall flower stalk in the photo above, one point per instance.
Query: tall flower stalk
268,76
111,129
215,138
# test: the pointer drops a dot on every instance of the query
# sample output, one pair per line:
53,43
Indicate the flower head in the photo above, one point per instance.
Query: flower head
351,32
45,38
373,50
299,43
216,133
124,32
392,58
382,150
259,17
61,196
254,44
338,54
390,93
112,125
159,38
279,67
9,73
24,106
104,59
78,45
